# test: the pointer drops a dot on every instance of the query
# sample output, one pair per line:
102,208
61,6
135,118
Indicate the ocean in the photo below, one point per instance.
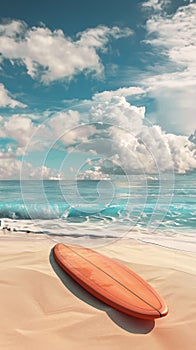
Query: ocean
151,209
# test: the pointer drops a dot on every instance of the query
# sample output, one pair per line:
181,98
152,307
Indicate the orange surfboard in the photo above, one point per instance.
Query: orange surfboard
110,281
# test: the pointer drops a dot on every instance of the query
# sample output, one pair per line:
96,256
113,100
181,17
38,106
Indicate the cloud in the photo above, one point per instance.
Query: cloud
96,173
134,146
192,137
115,133
174,38
66,127
156,5
16,135
175,35
12,28
61,127
117,111
118,132
124,91
10,168
19,128
29,171
183,153
51,55
7,101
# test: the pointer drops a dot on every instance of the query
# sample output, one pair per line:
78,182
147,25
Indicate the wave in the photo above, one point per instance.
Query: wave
175,215
18,211
32,211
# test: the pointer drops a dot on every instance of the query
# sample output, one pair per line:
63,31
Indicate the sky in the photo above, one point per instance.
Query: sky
93,89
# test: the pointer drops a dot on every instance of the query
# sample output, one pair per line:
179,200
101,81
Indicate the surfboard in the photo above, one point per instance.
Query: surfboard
110,281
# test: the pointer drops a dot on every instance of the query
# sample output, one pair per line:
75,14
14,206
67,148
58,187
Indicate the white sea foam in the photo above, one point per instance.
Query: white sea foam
99,231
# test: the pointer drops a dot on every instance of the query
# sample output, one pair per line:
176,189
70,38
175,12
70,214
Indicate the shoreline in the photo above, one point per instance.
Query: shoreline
41,305
165,239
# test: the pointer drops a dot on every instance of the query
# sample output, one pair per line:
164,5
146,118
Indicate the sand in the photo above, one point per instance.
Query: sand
42,308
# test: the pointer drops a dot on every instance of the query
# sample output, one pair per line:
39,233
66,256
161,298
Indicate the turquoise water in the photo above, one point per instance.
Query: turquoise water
106,208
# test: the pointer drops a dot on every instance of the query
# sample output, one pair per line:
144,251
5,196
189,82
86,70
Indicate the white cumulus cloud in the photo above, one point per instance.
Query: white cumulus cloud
6,100
124,91
95,173
10,168
156,5
66,127
18,128
134,145
51,55
115,132
174,37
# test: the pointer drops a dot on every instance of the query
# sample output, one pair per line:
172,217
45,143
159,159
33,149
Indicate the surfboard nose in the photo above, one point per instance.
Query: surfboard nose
164,312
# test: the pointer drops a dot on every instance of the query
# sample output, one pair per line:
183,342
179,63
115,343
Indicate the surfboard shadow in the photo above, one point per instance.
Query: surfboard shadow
128,323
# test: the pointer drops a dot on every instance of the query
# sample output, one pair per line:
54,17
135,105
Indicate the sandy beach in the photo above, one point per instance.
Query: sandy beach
41,307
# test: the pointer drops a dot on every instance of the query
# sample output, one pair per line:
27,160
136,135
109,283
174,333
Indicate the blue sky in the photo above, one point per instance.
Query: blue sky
68,67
